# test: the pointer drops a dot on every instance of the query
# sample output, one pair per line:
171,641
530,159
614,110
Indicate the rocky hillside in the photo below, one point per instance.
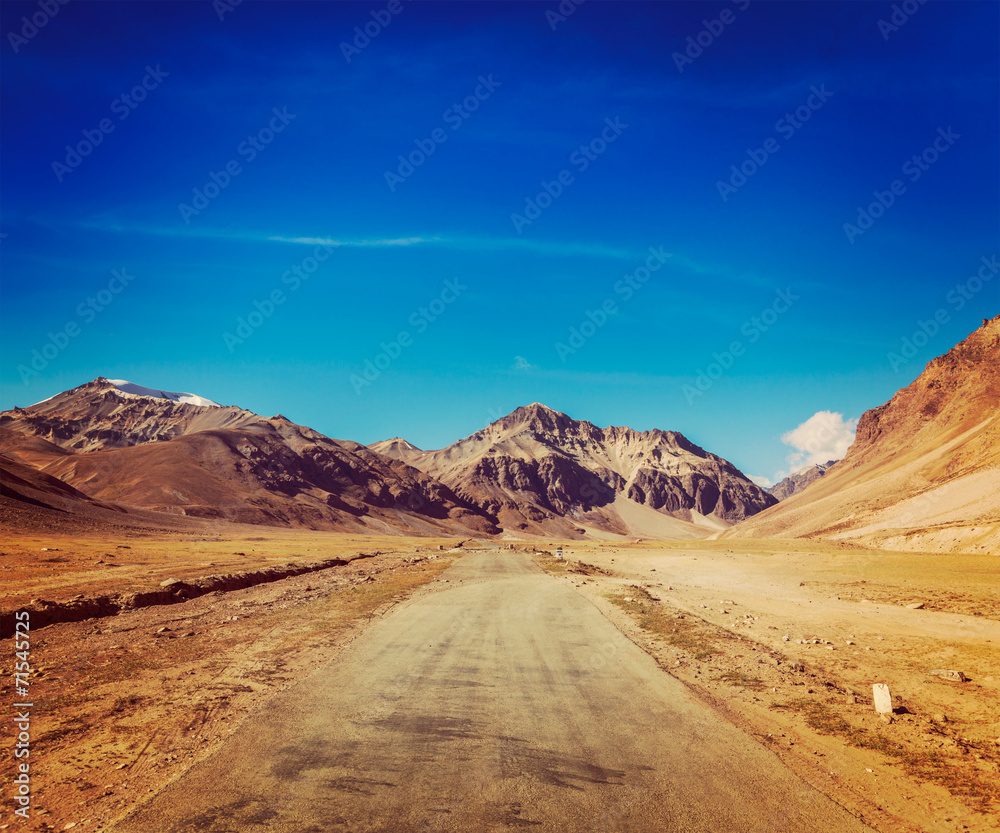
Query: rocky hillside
924,470
225,463
541,472
798,480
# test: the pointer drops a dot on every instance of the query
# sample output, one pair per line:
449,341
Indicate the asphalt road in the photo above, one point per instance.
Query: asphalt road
506,701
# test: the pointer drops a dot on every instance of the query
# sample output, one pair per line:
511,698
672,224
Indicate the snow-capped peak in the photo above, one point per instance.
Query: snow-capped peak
130,388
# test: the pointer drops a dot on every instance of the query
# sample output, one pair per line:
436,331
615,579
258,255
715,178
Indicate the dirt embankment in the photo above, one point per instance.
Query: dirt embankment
170,591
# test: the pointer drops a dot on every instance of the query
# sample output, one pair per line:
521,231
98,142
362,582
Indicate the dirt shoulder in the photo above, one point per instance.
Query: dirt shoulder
125,704
717,618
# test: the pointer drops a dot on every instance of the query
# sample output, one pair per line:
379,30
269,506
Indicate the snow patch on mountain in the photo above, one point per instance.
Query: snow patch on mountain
132,389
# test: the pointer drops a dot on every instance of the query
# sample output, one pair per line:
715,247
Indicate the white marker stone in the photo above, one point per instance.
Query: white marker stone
883,699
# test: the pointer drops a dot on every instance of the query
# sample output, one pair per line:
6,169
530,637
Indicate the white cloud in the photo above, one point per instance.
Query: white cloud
760,480
521,363
826,435
331,241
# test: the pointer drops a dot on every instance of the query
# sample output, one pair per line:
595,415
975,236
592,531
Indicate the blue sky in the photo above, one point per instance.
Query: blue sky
551,163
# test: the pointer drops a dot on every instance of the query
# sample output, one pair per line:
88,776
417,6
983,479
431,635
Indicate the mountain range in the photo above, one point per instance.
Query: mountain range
540,472
923,472
122,447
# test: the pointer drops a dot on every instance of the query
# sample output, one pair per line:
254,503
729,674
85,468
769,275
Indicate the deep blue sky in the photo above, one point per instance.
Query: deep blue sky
885,95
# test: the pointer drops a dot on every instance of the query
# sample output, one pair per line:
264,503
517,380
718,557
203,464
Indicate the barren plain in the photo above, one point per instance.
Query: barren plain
126,704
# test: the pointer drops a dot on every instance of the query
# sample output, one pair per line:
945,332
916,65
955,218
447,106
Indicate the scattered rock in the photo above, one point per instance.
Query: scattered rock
50,549
915,606
169,581
883,698
850,700
164,629
786,638
956,676
885,717
940,717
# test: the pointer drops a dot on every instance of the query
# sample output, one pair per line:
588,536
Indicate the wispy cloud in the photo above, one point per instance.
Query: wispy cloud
366,243
114,226
468,243
552,248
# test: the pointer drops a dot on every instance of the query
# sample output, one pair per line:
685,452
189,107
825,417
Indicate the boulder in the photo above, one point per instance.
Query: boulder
947,674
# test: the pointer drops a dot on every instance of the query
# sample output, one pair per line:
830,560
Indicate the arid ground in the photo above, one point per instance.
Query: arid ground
126,705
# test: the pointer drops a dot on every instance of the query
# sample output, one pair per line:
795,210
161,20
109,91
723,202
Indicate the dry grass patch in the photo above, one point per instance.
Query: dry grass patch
548,562
977,790
677,629
741,679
